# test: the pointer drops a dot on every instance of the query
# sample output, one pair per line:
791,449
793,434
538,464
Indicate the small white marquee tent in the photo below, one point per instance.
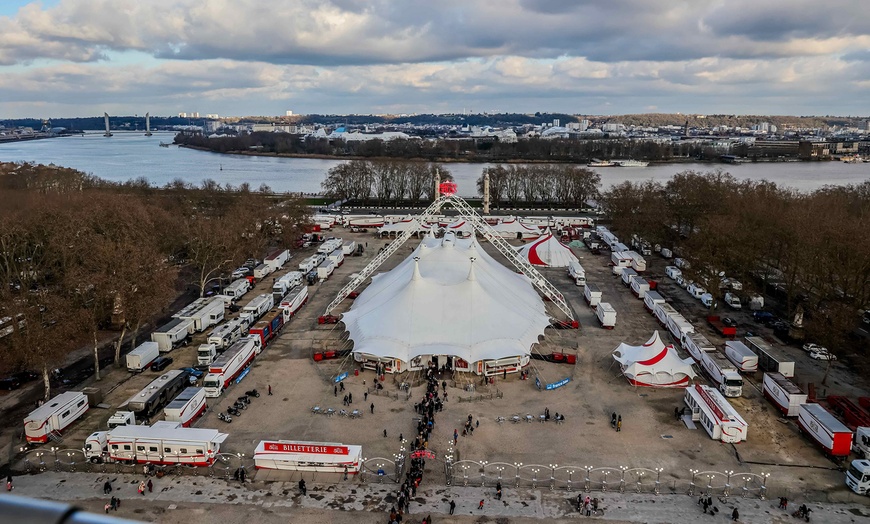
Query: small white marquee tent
654,365
549,252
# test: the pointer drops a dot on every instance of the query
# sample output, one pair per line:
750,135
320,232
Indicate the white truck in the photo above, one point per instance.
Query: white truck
140,358
858,476
697,344
325,269
121,418
186,407
639,287
679,327
663,311
205,354
173,334
227,333
259,305
237,289
651,299
592,295
784,394
733,301
204,312
162,443
230,364
741,356
337,257
723,373
277,259
606,315
861,442
576,273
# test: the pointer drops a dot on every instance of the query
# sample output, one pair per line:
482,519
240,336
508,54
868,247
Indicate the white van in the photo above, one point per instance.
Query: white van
576,272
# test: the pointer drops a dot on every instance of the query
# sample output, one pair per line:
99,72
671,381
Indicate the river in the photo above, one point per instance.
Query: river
129,155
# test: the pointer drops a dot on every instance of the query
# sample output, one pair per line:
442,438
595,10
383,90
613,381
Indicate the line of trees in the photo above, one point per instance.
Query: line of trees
384,181
79,255
561,185
812,247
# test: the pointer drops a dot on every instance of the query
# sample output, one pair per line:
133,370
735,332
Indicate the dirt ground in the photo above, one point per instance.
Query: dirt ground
650,437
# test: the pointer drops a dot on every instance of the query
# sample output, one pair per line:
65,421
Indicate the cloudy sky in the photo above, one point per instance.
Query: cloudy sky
263,57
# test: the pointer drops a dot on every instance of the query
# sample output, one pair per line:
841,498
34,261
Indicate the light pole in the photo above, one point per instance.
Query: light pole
764,485
745,486
692,484
72,462
518,465
622,479
362,469
483,464
56,462
604,482
499,469
535,477
640,480
709,484
589,472
658,479
27,465
39,455
464,474
570,478
728,483
380,477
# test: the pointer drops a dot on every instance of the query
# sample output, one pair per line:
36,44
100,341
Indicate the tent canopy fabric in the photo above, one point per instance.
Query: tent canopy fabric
449,297
412,224
654,364
548,251
511,227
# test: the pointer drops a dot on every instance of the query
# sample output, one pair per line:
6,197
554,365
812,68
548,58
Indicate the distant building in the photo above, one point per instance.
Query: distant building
809,150
212,116
288,113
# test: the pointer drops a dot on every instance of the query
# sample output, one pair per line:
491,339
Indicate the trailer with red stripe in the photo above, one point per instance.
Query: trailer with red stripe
825,430
187,406
162,443
54,416
716,414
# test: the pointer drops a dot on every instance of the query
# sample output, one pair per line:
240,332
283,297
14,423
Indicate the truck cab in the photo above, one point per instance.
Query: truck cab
96,446
861,443
858,476
122,418
206,353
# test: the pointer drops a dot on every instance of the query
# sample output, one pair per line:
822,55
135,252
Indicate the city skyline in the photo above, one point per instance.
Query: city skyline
66,59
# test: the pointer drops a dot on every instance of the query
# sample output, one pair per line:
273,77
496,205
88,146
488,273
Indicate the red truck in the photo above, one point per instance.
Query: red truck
724,329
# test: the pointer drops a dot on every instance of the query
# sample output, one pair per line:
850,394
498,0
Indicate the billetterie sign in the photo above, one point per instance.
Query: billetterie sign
317,449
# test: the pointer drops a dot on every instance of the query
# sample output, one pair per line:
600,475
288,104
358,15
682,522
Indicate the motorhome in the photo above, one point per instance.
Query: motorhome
638,263
666,253
639,287
237,289
140,358
696,290
681,263
626,276
673,272
307,264
620,259
227,333
295,299
577,273
707,300
162,443
259,305
50,419
174,334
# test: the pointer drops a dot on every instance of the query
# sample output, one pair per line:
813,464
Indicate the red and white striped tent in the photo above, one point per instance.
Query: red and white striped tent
654,365
547,251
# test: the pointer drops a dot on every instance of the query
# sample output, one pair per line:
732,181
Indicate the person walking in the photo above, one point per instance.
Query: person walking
9,482
619,424
349,397
735,515
107,506
150,486
705,505
270,389
588,509
480,506
335,390
142,488
302,487
452,506
373,408
365,396
107,487
114,503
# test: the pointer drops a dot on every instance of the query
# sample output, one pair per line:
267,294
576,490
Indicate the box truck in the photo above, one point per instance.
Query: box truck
276,259
606,315
307,264
592,295
262,271
769,358
784,394
825,430
51,418
348,247
204,312
723,373
337,257
140,358
186,407
651,299
696,345
741,356
576,273
173,334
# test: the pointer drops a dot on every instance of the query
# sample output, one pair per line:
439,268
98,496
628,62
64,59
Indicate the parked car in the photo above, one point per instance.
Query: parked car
358,230
728,321
809,347
9,383
160,363
241,272
823,354
26,376
194,372
763,317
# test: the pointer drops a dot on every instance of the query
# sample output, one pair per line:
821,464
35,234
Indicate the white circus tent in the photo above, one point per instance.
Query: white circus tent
512,228
407,223
654,365
452,301
548,251
461,227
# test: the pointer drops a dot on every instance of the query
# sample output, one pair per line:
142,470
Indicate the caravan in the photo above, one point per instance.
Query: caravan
651,299
162,443
237,289
54,416
186,407
716,414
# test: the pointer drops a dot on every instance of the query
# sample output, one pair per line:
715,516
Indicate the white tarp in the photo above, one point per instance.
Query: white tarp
654,365
438,302
549,252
